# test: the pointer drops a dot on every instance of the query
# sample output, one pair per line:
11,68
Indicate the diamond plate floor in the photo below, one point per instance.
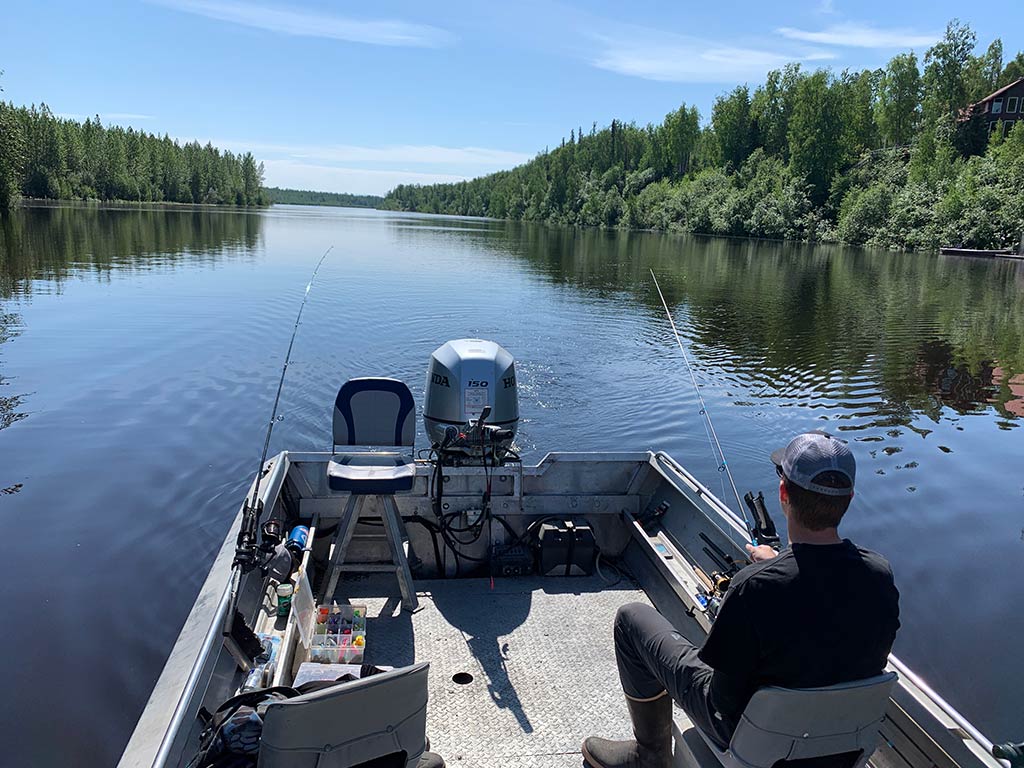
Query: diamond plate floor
539,651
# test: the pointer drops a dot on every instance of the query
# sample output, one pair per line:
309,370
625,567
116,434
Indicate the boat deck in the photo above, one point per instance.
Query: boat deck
540,654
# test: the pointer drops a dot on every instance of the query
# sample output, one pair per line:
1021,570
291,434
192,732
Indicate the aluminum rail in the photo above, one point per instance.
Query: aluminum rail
198,671
948,709
267,488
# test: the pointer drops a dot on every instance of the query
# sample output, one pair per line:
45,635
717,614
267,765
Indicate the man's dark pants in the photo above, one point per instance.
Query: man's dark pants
653,657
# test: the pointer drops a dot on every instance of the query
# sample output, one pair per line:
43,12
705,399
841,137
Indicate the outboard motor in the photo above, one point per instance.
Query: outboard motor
471,409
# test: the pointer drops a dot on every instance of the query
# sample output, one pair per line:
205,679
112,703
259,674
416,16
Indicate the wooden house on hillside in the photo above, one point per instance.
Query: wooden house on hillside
1006,105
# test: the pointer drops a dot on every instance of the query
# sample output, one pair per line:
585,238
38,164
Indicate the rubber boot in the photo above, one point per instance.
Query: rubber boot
652,727
430,760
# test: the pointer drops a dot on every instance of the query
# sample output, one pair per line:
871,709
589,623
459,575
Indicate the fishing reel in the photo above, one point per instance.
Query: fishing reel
1014,753
271,536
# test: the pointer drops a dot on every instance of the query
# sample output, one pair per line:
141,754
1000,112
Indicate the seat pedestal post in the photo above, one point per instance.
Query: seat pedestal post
398,542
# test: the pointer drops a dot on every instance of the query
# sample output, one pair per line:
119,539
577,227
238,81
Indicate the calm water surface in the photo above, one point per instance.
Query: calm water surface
140,349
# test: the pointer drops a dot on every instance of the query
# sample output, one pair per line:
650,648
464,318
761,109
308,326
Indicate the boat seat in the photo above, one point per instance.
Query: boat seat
371,473
371,414
832,726
363,721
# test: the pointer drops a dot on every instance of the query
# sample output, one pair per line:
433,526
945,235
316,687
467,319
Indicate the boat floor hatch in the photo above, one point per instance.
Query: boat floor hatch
540,655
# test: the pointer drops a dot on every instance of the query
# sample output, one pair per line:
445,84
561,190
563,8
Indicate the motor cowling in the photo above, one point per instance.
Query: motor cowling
465,377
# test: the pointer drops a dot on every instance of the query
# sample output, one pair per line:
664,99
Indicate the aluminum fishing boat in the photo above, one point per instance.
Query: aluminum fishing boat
489,589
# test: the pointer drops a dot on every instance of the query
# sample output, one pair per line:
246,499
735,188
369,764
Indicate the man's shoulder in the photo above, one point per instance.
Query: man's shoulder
872,560
785,567
780,567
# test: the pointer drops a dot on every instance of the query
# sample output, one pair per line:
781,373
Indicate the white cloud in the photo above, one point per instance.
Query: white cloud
471,157
654,55
854,35
294,21
826,7
369,170
332,178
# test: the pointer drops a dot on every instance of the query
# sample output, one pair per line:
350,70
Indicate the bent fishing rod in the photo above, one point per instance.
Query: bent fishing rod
247,548
762,529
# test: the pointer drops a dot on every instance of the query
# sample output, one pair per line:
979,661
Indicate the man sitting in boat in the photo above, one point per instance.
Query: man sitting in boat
820,612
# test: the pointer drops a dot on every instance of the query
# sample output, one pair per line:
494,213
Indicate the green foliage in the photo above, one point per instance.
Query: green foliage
983,72
1012,72
879,157
946,71
730,121
816,129
898,111
771,108
12,155
44,156
308,197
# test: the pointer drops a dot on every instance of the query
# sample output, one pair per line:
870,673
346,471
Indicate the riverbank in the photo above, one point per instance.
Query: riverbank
45,156
921,198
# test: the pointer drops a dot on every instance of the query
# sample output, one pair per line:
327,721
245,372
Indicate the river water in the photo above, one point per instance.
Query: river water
140,350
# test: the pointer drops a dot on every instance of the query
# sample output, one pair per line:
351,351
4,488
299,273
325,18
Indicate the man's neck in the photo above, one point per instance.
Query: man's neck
800,535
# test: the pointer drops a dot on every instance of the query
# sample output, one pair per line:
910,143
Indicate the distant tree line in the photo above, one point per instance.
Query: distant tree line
45,156
891,157
309,197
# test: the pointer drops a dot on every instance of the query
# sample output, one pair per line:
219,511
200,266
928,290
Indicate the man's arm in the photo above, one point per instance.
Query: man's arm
733,650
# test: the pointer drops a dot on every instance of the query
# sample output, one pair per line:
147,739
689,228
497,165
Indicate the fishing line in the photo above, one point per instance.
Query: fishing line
709,426
284,370
246,550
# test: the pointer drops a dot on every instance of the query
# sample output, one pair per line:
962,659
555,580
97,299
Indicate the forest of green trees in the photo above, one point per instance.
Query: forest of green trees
45,156
891,157
309,197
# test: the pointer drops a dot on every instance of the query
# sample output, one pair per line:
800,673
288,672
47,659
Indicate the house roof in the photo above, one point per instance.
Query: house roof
1001,91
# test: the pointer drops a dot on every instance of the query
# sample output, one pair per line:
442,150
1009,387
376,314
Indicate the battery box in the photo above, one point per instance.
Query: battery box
566,549
511,560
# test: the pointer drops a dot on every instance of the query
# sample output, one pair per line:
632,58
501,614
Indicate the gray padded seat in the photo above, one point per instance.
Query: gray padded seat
800,723
375,412
349,724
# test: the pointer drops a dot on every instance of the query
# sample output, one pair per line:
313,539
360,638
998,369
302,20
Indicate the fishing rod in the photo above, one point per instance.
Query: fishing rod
764,525
247,550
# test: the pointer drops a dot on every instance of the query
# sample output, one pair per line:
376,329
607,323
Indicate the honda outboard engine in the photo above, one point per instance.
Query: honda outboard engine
471,408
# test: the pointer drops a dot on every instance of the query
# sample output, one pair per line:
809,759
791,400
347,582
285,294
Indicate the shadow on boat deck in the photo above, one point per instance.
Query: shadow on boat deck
533,655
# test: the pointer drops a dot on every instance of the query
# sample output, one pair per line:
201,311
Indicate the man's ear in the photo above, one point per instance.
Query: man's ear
783,492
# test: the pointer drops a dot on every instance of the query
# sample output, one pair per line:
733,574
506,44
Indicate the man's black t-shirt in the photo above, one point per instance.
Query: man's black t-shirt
815,615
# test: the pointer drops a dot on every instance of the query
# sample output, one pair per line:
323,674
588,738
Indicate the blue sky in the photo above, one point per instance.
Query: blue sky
356,97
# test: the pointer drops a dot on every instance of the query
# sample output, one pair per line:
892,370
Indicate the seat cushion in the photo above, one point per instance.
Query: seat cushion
370,473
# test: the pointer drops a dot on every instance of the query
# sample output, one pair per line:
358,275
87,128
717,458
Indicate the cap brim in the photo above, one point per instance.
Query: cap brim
777,456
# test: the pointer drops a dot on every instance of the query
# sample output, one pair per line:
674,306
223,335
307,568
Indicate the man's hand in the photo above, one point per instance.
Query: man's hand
760,553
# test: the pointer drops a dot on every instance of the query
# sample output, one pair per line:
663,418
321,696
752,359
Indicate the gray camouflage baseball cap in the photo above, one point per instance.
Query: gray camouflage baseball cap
808,456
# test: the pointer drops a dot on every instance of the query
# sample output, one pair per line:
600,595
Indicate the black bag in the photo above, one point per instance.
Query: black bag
231,736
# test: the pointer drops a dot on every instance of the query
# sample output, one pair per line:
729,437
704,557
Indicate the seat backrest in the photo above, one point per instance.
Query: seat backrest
349,724
801,723
374,412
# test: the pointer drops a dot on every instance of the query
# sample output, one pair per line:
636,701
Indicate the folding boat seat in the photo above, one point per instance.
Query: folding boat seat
834,726
380,720
373,413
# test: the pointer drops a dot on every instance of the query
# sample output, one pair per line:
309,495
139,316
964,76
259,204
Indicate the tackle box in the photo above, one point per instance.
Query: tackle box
339,635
